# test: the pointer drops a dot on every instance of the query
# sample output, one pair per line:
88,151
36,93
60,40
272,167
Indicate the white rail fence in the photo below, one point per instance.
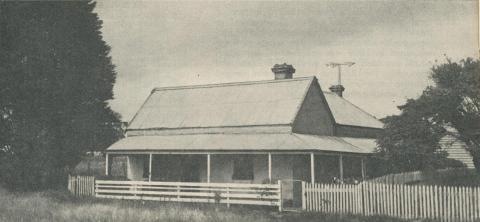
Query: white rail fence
227,193
440,203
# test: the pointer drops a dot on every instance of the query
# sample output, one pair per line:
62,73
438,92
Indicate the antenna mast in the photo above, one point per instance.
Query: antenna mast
339,66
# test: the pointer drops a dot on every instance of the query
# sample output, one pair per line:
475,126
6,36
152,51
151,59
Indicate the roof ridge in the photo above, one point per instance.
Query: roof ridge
231,84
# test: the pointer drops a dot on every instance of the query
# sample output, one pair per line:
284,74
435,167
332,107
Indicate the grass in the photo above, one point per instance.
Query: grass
60,206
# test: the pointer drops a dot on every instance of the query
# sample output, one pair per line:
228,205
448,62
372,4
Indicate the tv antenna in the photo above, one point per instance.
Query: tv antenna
339,66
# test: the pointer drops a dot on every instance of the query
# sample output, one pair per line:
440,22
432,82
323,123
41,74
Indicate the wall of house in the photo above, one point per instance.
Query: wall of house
355,131
314,116
284,167
179,167
457,150
135,165
221,169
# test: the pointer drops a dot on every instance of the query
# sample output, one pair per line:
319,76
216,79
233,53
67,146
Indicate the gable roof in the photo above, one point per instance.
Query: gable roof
346,113
254,103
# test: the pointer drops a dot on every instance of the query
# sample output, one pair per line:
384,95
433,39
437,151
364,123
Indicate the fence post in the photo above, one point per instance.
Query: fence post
304,196
280,196
228,197
135,189
69,184
178,193
93,186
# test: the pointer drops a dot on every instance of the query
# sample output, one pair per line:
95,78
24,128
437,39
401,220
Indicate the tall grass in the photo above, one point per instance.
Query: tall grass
60,206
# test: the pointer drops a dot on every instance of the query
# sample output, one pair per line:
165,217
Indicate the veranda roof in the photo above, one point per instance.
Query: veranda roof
244,142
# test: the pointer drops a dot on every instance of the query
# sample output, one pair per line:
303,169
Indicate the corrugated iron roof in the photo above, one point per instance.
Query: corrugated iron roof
271,102
232,104
241,142
345,113
370,145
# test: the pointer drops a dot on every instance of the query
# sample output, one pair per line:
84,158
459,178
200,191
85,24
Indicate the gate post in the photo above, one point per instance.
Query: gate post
94,186
228,197
304,196
280,199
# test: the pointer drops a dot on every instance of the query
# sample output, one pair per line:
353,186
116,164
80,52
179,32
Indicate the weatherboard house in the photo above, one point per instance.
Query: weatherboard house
284,129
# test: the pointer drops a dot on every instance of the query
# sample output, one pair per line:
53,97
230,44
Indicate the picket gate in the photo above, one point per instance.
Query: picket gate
81,185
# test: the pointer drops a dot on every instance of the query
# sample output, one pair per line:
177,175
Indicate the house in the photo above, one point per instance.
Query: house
248,132
455,148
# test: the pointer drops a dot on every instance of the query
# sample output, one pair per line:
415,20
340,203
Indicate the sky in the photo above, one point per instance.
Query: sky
393,44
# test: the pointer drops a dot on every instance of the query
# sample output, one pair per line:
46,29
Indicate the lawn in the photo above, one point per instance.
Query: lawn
60,206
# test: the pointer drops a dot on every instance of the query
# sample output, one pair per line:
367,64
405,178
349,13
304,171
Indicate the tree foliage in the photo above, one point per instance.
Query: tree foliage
455,100
411,140
56,79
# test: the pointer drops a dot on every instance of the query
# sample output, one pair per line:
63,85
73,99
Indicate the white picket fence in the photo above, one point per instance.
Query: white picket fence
442,203
81,185
227,193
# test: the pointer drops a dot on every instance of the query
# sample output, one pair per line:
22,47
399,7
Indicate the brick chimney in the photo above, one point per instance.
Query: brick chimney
338,89
283,71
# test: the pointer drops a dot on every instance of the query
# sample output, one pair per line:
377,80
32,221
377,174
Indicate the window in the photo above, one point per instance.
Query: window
242,168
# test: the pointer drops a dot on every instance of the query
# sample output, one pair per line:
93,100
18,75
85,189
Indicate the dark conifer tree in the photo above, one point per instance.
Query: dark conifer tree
56,79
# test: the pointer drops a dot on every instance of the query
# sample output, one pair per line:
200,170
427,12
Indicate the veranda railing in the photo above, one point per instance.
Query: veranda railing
221,193
227,193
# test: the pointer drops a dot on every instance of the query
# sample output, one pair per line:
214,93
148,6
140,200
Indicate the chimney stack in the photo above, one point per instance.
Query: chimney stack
283,71
338,89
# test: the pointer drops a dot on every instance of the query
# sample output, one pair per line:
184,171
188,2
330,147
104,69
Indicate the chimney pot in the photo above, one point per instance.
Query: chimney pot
283,71
338,89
